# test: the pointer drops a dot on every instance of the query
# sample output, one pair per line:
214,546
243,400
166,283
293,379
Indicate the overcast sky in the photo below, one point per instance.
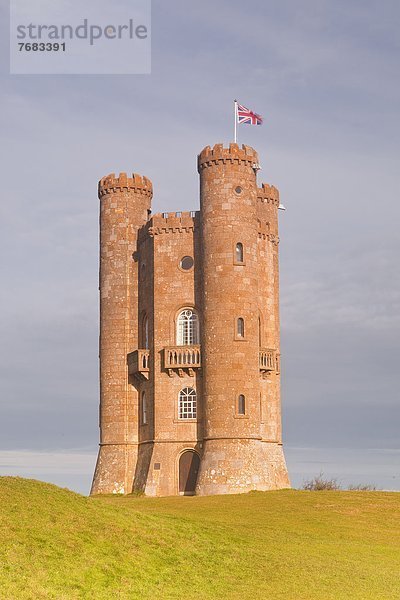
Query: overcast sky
325,75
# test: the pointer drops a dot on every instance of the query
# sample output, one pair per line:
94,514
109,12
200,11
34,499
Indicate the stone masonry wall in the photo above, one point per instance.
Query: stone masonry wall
141,278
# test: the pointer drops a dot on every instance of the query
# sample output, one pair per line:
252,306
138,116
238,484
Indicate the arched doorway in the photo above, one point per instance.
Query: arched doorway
189,463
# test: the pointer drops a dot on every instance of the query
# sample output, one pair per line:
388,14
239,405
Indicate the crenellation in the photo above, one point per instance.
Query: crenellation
173,222
269,194
138,183
231,155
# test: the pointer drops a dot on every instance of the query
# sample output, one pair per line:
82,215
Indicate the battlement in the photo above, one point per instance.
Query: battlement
137,183
173,222
269,194
233,154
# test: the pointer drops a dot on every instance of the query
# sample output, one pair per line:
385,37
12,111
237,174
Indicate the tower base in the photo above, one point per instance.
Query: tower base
159,471
241,465
115,469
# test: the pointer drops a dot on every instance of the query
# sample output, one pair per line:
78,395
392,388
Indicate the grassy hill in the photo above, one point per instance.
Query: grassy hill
287,544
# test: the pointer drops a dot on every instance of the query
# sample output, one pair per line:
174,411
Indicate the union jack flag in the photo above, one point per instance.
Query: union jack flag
247,116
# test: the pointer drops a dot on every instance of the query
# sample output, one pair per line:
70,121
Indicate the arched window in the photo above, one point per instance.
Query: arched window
241,405
239,252
187,332
145,332
240,327
187,404
144,409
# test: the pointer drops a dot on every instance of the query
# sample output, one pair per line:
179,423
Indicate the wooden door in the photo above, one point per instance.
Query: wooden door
189,463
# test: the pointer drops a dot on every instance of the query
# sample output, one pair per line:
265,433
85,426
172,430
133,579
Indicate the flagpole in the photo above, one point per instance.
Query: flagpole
235,126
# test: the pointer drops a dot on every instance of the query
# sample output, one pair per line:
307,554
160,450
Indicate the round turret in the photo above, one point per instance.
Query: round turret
230,347
124,208
236,456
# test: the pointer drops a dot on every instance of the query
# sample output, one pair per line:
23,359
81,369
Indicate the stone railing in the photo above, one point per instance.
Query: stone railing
268,360
139,363
182,358
186,358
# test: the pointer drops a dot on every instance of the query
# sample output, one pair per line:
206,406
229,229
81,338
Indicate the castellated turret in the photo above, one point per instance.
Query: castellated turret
189,335
124,206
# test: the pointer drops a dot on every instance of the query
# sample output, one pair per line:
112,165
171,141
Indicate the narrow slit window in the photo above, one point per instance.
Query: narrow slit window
240,327
145,333
144,409
239,252
241,405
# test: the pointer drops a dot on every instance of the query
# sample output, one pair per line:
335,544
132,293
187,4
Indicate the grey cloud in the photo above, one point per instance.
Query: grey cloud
325,77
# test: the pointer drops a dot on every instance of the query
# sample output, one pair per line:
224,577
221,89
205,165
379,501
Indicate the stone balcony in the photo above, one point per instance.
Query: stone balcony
181,359
139,364
268,360
185,359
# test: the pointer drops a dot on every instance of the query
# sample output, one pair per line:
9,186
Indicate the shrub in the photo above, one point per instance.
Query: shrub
362,487
320,483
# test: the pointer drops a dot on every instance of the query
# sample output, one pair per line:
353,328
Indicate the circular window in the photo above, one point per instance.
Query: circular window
186,263
238,189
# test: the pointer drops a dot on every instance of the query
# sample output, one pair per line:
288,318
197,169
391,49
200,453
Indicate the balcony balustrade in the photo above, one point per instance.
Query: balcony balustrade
185,359
182,359
268,360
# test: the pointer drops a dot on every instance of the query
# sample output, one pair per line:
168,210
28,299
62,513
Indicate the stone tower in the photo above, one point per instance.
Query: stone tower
124,207
189,342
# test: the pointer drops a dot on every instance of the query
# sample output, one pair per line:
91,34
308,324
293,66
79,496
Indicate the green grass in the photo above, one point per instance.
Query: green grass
281,545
